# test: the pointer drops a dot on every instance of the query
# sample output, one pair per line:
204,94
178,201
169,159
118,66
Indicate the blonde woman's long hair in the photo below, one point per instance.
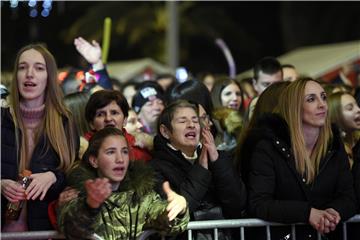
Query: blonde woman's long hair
290,108
61,138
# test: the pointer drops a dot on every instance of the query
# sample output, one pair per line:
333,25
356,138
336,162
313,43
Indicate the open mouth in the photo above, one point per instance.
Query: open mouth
234,105
357,120
110,125
190,135
29,84
119,170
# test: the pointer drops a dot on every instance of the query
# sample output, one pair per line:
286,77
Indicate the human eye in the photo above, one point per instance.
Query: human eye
100,114
40,67
310,99
114,112
125,151
21,67
228,93
323,96
110,151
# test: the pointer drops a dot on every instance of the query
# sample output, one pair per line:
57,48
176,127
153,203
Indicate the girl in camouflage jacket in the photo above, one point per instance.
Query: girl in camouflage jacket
116,199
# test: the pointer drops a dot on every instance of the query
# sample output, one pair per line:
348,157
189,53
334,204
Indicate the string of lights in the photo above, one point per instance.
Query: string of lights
33,5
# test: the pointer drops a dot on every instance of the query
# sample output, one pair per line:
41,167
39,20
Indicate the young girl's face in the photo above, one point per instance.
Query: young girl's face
350,112
32,77
113,159
231,96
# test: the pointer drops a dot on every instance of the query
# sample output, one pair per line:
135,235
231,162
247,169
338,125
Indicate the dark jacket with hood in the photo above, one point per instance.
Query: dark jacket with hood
44,158
217,186
130,210
278,193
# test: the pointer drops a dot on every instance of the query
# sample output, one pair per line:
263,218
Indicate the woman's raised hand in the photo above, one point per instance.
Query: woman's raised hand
209,144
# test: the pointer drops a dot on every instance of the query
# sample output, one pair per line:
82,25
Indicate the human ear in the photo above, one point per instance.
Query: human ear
93,161
164,131
125,122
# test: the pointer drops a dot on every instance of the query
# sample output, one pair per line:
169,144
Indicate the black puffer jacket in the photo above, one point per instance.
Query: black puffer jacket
277,192
41,161
218,186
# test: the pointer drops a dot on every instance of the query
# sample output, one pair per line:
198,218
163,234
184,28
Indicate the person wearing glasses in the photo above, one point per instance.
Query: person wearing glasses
185,155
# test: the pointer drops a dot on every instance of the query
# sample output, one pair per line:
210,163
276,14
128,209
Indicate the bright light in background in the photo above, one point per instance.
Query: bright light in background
14,3
32,3
45,12
47,4
181,74
33,12
46,8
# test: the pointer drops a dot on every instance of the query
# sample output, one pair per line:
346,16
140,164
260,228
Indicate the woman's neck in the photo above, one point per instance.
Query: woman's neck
311,135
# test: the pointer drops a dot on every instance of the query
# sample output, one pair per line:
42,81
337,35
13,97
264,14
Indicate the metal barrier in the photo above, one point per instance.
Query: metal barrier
195,225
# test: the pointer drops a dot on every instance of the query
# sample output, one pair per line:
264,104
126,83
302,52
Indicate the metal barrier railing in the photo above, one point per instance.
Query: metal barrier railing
194,225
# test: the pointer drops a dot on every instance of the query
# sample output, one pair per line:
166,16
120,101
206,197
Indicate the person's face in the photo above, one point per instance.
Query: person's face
185,134
314,109
204,118
289,74
151,110
265,80
231,96
350,112
112,160
129,93
109,116
32,77
209,81
132,123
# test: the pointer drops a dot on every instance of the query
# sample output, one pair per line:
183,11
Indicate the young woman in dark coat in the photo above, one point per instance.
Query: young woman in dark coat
186,156
299,170
36,134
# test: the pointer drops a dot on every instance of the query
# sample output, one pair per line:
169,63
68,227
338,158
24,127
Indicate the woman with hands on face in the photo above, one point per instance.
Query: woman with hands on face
119,203
185,155
37,134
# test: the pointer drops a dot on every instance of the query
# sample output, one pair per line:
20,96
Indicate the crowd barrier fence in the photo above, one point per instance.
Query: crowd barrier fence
194,225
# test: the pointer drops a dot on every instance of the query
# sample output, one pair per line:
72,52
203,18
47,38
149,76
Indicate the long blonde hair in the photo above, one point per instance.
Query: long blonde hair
290,108
61,138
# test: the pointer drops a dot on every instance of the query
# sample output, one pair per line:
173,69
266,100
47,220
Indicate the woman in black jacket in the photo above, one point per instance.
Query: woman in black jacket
194,167
36,134
299,170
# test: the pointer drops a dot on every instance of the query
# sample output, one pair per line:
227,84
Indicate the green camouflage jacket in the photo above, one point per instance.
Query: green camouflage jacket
129,211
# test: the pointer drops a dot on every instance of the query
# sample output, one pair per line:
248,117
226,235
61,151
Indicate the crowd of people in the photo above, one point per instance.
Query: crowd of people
112,160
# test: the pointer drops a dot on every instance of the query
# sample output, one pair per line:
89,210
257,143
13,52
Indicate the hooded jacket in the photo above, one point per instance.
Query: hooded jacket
278,193
217,186
130,210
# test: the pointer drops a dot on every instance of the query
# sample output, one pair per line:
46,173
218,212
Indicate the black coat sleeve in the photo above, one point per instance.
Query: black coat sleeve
230,189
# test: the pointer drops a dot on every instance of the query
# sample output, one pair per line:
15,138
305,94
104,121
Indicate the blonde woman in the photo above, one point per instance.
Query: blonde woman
299,170
36,134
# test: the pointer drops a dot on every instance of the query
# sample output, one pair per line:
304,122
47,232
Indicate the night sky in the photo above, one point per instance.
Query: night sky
252,30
